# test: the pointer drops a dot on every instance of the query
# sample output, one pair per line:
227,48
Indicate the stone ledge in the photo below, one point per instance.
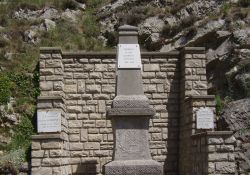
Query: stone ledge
107,55
139,167
128,33
43,98
200,97
50,50
47,136
213,133
194,50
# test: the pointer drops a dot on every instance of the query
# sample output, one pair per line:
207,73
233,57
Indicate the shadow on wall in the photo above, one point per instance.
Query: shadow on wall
88,168
172,141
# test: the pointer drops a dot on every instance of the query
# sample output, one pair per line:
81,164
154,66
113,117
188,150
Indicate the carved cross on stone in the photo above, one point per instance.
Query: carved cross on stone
130,113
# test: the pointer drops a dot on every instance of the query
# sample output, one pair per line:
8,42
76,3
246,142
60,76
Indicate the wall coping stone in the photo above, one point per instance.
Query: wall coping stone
200,97
47,136
41,98
50,50
113,54
194,50
213,133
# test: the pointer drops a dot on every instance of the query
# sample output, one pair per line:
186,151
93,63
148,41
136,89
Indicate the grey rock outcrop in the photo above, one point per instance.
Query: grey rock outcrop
201,34
237,117
242,37
45,13
49,24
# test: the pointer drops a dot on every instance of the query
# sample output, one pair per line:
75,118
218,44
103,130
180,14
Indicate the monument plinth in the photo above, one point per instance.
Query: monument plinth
130,113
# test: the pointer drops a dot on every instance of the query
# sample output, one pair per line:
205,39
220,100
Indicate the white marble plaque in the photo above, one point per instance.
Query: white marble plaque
205,118
129,56
48,121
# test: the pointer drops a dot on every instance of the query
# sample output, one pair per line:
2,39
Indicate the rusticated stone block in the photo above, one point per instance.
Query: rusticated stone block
74,109
218,157
74,137
101,67
224,148
225,167
95,75
193,63
76,146
47,71
70,88
46,85
216,141
93,88
88,67
75,123
103,153
51,145
45,56
84,134
55,153
54,63
35,145
100,123
51,162
92,146
38,153
58,86
200,84
108,89
151,67
95,137
79,153
202,56
42,171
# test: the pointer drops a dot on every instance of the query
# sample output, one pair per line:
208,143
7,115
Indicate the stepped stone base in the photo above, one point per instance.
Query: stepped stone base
134,167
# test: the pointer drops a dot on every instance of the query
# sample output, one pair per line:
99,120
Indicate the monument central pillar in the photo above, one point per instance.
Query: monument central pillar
130,113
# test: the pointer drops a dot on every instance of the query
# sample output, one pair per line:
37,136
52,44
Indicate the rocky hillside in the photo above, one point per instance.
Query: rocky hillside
222,26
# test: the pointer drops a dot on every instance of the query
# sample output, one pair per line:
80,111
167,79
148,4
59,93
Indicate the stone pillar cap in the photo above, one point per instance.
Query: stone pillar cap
128,28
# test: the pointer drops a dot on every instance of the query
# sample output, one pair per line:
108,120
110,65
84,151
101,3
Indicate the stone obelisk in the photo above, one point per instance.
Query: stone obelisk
130,112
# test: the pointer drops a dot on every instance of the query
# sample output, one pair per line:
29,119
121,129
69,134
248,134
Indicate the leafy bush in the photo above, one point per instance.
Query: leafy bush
90,26
11,161
219,105
5,88
93,3
169,31
22,135
69,4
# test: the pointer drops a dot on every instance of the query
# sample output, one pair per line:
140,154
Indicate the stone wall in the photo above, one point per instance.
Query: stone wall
86,83
213,153
196,156
82,86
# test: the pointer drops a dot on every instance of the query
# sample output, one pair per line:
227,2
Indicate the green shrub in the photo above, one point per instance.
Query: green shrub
226,8
22,135
112,38
5,88
219,105
11,161
94,3
90,26
169,31
68,4
3,43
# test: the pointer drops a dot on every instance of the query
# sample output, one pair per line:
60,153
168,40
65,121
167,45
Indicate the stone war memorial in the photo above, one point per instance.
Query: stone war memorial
128,113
